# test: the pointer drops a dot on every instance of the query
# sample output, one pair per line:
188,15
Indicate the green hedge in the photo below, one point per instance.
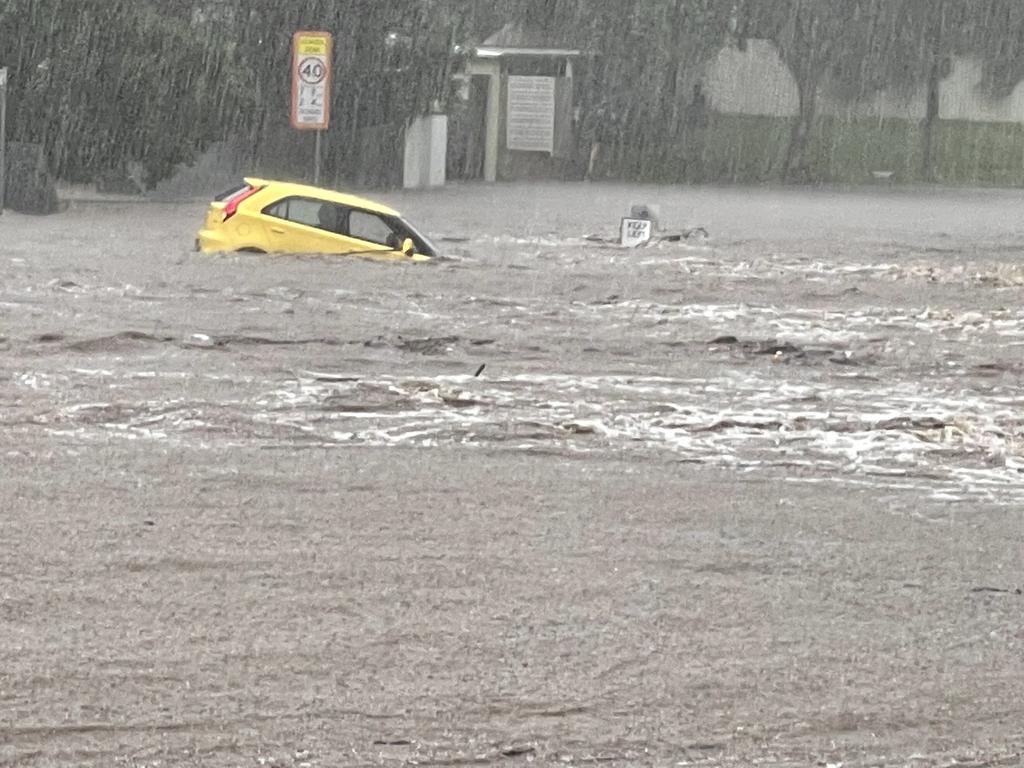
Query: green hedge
982,153
746,148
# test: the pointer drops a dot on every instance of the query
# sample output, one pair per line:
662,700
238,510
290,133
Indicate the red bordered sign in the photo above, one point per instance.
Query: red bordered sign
311,80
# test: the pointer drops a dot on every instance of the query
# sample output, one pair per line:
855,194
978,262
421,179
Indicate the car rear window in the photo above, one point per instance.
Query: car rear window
229,193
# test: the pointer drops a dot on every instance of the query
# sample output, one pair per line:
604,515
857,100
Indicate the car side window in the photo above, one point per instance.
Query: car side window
371,228
311,213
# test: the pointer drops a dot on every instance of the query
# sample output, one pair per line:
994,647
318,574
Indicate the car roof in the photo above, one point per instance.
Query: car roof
285,188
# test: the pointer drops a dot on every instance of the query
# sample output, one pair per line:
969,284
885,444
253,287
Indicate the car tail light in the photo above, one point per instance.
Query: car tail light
231,207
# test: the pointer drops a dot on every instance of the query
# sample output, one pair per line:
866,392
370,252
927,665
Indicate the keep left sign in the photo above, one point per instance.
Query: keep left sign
636,232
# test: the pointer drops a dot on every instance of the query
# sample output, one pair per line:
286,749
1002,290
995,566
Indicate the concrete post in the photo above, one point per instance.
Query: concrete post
3,137
490,68
426,152
493,124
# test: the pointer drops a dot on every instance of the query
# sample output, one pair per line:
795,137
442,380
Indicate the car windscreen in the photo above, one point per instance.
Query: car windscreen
405,229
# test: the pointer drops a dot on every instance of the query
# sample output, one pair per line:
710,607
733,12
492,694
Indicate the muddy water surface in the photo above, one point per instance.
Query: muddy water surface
859,338
747,498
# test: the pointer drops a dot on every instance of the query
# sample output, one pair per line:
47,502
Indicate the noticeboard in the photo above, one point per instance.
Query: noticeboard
530,118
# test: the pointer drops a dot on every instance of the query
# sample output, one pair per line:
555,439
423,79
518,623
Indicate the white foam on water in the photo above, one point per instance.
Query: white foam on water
911,419
973,442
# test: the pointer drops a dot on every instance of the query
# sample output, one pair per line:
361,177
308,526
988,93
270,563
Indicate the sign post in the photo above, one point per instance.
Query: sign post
311,88
3,137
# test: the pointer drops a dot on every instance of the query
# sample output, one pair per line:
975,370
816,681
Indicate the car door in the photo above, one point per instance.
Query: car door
305,225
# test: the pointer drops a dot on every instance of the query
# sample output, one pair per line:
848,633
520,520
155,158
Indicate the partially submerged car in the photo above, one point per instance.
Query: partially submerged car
262,216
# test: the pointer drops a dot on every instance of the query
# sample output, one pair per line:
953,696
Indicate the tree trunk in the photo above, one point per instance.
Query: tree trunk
930,127
930,124
807,61
795,168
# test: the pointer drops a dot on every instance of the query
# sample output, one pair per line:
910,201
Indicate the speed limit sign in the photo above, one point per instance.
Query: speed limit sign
311,80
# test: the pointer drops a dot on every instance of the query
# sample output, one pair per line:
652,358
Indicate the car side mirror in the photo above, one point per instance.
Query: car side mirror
408,246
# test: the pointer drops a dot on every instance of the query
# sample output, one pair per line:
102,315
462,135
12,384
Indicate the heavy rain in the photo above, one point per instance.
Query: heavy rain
670,416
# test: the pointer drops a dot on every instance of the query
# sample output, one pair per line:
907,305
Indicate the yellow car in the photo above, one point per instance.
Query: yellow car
262,216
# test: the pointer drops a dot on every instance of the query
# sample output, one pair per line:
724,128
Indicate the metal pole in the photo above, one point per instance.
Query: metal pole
317,158
3,138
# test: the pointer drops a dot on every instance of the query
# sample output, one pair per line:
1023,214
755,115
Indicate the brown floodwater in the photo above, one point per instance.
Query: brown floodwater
750,497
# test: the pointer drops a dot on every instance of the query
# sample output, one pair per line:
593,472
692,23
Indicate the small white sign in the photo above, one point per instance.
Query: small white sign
3,77
636,232
531,114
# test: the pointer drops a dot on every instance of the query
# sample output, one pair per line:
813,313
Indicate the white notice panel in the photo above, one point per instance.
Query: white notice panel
636,232
531,114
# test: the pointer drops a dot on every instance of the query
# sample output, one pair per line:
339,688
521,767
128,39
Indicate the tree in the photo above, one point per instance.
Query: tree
810,36
647,56
102,82
909,45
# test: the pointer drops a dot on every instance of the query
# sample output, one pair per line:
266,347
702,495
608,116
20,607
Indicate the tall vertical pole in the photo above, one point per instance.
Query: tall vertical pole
317,158
493,130
3,138
311,89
